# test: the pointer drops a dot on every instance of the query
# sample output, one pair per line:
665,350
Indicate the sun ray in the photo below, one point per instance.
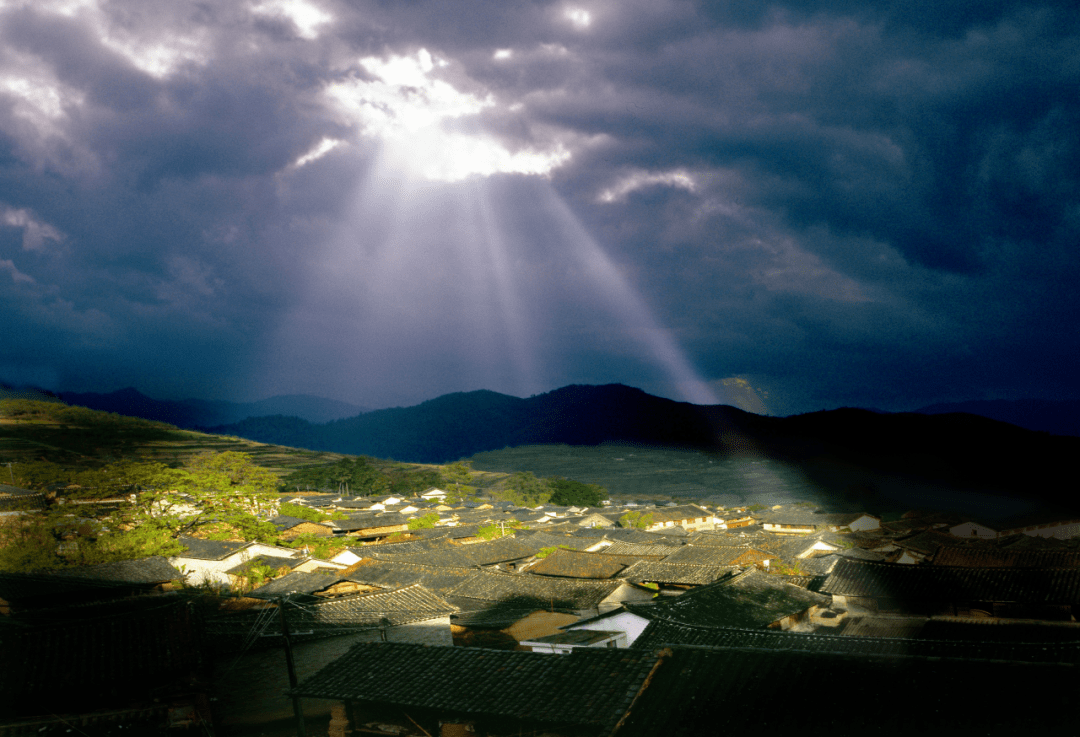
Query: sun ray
627,303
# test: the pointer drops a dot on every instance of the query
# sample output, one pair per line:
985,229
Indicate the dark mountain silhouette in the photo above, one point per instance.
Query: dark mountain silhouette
848,451
857,456
462,424
192,413
1055,417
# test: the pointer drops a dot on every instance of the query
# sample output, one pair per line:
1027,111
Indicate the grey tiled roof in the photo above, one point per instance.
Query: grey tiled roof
748,600
860,553
389,574
590,687
477,614
445,555
368,521
578,564
968,557
678,513
820,565
697,691
209,549
285,522
675,573
947,583
154,569
809,517
660,633
544,591
345,614
803,582
714,555
626,534
926,542
273,561
295,583
69,585
503,549
789,547
655,552
393,549
575,637
400,606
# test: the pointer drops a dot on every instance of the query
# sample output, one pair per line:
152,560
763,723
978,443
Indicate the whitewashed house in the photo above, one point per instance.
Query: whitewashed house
208,561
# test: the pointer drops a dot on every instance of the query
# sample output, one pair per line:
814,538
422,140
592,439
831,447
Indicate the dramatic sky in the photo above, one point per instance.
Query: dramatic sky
794,205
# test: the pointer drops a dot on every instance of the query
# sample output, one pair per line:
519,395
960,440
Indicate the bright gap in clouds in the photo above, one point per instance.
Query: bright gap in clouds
426,267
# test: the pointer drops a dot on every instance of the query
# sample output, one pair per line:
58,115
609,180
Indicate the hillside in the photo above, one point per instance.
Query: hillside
76,437
853,455
850,457
199,413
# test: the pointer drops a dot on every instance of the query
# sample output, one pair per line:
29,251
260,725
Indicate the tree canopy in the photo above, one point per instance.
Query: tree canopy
358,476
222,494
567,492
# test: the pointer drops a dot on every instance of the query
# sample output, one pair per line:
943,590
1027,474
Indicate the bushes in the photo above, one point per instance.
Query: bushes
567,492
424,523
636,520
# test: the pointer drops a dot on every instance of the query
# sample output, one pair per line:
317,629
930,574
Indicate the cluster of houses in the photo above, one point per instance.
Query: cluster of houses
564,623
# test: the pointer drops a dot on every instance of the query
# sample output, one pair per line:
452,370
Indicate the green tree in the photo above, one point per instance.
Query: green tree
323,547
29,542
37,475
256,573
525,490
494,530
233,481
225,492
458,475
215,489
354,475
567,492
636,520
114,545
426,522
311,515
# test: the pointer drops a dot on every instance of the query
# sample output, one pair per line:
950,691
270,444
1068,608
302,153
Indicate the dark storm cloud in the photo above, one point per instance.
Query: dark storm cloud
846,203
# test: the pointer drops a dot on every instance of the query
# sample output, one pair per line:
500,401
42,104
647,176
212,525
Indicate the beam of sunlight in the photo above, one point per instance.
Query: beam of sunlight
515,324
429,265
628,304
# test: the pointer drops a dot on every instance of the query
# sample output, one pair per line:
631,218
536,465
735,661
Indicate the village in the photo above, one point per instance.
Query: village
447,617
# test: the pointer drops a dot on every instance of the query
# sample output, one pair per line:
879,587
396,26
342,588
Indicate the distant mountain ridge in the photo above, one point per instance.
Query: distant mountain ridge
1055,417
853,455
461,424
196,413
840,449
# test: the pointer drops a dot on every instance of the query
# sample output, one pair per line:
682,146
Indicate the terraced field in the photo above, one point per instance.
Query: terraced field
108,438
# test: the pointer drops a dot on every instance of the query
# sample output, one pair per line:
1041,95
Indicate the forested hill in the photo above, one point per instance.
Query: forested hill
957,450
461,424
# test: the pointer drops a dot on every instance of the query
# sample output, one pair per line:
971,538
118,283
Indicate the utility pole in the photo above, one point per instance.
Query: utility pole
298,709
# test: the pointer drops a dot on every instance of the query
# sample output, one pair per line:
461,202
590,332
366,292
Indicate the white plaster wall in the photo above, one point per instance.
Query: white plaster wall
625,592
198,571
627,622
